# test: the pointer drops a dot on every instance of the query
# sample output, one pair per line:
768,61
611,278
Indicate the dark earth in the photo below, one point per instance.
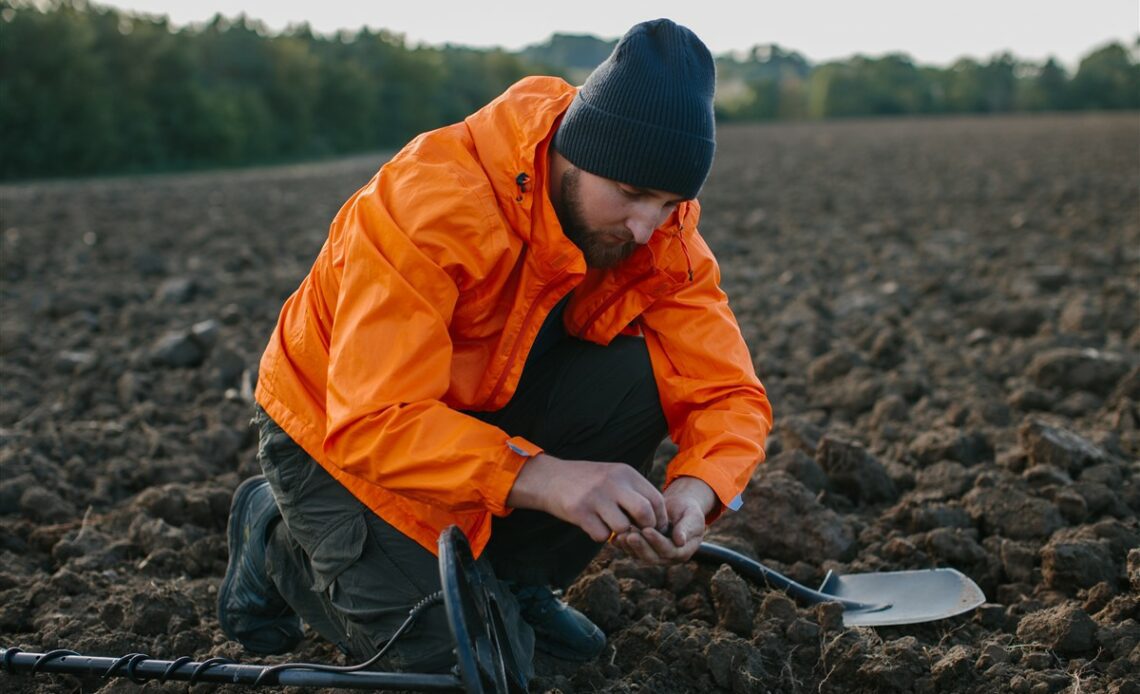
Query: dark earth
946,314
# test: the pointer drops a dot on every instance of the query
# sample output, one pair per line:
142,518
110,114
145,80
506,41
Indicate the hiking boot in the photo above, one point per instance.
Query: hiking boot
559,629
250,609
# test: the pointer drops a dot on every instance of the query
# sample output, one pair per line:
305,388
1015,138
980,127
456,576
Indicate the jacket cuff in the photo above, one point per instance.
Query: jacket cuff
728,494
522,447
518,451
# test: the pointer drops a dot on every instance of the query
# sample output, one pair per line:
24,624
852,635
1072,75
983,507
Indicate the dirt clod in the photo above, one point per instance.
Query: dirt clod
732,601
1066,629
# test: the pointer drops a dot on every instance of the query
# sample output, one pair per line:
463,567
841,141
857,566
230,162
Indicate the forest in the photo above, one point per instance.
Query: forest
88,90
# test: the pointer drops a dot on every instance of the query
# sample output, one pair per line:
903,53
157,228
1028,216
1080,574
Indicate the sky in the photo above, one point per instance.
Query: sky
932,33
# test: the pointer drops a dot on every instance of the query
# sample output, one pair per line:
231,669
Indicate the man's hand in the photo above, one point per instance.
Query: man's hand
603,499
687,501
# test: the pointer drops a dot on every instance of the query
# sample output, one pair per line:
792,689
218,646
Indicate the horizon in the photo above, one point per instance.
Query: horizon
928,36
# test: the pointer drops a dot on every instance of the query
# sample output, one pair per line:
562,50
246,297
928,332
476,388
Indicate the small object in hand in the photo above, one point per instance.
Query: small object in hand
613,534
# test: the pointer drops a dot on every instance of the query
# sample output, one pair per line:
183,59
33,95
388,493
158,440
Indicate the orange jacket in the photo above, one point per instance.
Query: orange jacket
427,296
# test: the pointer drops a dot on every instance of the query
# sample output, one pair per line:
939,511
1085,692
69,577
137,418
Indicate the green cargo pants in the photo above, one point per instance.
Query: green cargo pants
353,577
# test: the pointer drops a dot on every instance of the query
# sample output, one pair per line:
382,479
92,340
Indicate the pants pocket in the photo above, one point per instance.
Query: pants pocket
338,550
286,465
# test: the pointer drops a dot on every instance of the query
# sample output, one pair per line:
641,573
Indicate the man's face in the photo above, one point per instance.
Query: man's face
605,219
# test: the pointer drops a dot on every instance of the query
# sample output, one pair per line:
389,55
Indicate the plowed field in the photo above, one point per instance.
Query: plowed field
946,314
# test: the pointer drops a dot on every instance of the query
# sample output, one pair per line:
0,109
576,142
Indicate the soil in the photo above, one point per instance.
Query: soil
944,311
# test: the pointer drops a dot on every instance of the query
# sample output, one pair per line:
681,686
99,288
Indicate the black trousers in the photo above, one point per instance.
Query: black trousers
353,577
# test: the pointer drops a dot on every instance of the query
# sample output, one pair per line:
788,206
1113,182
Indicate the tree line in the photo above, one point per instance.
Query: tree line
87,90
90,90
773,84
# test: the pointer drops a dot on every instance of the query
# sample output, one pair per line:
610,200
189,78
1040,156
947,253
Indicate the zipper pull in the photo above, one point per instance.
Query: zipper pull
522,181
685,250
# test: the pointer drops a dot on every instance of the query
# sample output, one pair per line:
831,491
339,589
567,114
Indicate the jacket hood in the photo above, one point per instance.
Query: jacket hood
511,135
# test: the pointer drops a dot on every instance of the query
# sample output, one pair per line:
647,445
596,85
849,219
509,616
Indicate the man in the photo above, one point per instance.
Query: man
501,328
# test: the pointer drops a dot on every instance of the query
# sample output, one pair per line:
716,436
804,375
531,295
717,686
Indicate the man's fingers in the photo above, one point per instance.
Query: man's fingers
661,544
637,546
609,499
598,529
650,546
615,520
677,544
679,528
684,529
657,500
642,503
637,510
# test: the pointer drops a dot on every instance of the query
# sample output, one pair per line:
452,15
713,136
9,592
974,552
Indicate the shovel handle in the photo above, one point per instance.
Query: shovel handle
711,553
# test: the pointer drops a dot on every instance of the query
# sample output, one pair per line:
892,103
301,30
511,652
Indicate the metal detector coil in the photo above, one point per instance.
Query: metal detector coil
483,650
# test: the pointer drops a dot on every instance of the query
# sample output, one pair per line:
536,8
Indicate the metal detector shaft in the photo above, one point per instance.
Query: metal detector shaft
142,669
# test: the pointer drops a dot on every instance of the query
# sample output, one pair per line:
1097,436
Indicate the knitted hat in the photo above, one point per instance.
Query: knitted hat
645,115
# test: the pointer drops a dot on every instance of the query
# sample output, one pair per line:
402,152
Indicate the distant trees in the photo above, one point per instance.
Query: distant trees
767,83
1108,78
88,90
869,86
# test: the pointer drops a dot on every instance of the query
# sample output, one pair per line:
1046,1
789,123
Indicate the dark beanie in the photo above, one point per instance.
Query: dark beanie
645,115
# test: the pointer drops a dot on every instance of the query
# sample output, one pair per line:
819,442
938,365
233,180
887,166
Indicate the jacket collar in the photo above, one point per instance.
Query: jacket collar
511,135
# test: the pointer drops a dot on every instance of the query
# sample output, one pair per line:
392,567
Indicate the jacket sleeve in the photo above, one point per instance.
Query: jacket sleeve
389,368
717,410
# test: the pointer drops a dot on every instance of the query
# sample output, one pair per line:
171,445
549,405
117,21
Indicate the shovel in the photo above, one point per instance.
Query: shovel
869,600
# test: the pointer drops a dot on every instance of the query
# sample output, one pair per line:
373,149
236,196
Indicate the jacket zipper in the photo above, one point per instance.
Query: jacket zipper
685,250
518,343
589,321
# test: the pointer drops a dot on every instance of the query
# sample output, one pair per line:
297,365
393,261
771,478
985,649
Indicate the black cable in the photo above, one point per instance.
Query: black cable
50,655
206,665
129,661
433,599
132,668
172,667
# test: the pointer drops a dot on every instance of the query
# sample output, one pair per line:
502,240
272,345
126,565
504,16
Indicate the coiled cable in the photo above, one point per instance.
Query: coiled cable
50,655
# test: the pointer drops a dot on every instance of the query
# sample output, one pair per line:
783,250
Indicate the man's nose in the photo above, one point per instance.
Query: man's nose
641,223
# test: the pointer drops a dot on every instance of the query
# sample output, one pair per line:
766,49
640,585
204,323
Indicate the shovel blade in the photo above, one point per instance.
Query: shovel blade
904,597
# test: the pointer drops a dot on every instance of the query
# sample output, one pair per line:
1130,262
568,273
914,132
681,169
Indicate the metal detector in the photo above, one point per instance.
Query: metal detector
484,659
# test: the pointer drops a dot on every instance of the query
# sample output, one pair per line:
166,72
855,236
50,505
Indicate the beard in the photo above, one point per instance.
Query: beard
601,248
